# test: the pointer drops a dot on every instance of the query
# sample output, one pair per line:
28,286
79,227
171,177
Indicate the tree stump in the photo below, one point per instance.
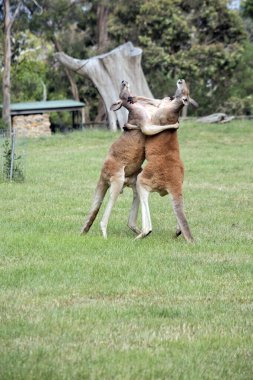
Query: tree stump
106,71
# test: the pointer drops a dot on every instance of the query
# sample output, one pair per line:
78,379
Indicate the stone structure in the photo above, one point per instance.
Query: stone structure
31,125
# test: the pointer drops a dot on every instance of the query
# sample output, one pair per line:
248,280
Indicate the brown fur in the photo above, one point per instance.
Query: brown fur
121,167
164,170
125,157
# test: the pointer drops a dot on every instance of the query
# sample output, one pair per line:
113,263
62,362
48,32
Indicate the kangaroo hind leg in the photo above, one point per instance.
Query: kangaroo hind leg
117,183
133,215
146,218
181,219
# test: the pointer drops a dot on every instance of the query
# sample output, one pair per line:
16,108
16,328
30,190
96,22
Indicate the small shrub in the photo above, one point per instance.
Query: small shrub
18,172
3,127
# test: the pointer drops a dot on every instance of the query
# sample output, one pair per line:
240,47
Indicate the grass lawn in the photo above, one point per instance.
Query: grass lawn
80,307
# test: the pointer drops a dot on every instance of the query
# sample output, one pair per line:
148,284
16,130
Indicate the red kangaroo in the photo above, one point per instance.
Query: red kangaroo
164,170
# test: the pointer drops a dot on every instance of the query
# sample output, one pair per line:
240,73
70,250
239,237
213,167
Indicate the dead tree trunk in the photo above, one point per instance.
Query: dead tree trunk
106,71
102,22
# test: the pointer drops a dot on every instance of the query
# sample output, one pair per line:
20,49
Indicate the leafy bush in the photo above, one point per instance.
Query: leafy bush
238,106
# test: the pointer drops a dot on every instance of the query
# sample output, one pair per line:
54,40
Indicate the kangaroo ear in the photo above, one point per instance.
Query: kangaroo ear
193,103
116,106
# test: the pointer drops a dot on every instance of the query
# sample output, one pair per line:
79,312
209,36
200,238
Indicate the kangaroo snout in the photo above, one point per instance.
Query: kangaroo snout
124,83
185,100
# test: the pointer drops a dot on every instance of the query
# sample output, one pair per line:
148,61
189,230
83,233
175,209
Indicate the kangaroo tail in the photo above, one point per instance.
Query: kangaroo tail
100,192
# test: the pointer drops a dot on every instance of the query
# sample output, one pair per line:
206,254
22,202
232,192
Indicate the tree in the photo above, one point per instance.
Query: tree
8,22
240,101
107,76
59,18
102,25
199,40
9,15
102,44
247,7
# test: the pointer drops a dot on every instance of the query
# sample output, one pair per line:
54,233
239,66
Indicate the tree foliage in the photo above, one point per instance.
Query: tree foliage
198,40
247,7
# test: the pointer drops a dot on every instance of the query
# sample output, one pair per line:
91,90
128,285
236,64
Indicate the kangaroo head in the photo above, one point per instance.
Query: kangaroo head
124,90
182,88
183,93
124,94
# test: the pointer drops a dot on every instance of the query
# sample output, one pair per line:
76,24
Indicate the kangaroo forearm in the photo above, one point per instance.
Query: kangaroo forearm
144,100
150,130
131,126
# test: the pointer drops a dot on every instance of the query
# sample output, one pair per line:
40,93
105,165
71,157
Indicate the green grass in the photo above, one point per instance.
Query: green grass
75,307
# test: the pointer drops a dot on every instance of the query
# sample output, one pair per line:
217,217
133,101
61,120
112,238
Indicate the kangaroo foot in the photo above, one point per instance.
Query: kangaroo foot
84,230
189,240
143,234
104,230
178,231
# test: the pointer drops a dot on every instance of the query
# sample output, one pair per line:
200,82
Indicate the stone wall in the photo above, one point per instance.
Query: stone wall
32,125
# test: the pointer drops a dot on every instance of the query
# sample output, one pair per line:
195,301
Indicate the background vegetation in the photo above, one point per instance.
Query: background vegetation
75,307
206,42
80,307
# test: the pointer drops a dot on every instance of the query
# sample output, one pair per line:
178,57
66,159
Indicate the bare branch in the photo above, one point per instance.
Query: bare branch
15,14
39,6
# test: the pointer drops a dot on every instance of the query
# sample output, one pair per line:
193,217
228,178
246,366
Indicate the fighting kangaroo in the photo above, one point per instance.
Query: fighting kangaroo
164,170
124,160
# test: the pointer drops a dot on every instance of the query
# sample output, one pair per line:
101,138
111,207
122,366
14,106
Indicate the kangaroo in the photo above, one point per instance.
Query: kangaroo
123,162
164,170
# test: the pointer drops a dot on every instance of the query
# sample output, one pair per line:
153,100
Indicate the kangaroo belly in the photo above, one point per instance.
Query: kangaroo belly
161,145
164,169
